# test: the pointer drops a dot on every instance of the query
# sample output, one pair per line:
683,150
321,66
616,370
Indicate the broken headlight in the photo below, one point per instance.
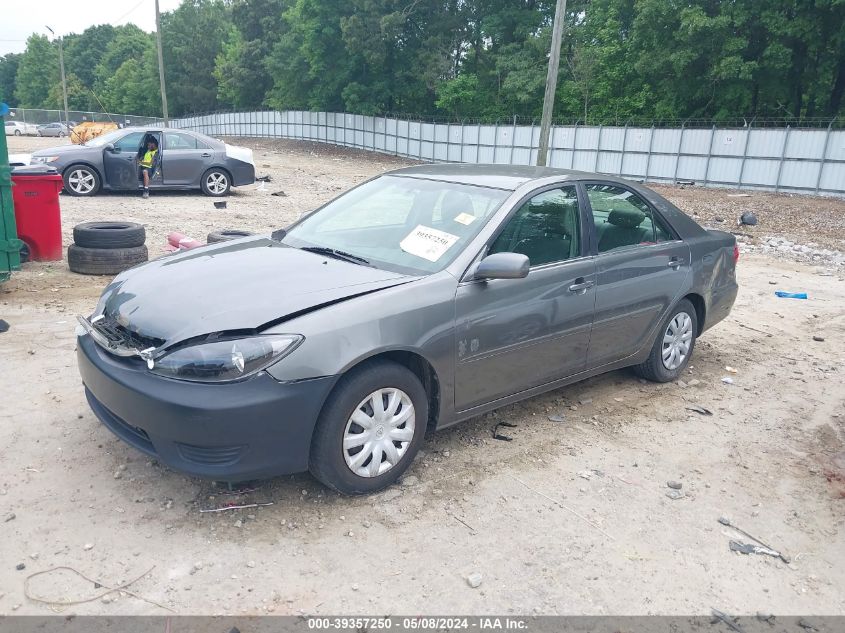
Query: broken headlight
227,360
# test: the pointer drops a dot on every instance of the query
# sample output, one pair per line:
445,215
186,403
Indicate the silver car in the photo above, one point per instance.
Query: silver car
421,298
54,129
188,160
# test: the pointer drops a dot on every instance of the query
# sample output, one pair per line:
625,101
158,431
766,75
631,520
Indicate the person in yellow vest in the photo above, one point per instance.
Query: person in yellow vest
147,162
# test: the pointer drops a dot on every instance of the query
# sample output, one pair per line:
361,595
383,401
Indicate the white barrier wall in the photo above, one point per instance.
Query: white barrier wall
797,160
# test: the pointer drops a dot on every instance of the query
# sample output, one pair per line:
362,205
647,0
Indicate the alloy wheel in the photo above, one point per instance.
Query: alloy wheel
216,182
676,341
81,181
379,432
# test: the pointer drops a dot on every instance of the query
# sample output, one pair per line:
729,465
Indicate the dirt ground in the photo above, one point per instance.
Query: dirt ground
569,517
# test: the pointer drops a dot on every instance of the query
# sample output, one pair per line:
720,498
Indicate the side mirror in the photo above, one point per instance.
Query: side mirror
503,266
110,147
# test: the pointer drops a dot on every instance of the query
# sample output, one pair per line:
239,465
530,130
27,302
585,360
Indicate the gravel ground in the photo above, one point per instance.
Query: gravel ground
570,517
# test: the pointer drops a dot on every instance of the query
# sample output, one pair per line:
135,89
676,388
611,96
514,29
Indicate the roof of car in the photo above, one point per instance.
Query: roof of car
499,176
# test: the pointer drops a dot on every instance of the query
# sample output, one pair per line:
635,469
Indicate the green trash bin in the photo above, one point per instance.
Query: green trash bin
10,245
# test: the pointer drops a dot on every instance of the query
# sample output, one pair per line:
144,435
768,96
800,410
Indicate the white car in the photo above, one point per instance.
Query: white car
17,128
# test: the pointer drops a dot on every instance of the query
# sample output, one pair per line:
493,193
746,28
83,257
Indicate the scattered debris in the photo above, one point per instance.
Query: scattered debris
727,522
281,194
790,295
724,617
674,495
565,507
748,218
585,401
765,617
123,588
88,547
10,517
807,626
748,327
498,436
20,566
474,580
557,418
675,485
728,380
739,195
750,548
4,326
731,370
220,205
698,409
585,474
236,507
265,178
818,339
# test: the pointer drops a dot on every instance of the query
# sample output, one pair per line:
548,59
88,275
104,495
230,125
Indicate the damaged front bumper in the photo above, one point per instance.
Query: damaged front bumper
252,429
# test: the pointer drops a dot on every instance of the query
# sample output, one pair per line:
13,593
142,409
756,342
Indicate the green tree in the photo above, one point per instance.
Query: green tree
37,71
8,74
192,38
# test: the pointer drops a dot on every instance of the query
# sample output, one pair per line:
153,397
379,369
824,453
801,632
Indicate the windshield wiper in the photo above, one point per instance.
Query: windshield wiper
332,252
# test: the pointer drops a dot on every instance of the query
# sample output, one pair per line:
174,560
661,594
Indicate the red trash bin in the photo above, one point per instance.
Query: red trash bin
35,191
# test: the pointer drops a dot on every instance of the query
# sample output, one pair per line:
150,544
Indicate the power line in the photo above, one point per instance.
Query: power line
128,12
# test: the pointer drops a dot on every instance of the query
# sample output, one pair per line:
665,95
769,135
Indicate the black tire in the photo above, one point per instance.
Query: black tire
17,132
225,235
25,253
327,462
76,171
654,368
216,175
109,234
104,261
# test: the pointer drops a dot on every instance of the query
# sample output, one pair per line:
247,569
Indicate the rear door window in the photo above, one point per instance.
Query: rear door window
623,219
174,140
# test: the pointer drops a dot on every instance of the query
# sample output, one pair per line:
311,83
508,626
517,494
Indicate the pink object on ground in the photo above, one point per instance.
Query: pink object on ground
180,241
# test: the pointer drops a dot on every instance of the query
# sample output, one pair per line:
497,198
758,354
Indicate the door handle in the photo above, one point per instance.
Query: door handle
675,263
580,286
205,155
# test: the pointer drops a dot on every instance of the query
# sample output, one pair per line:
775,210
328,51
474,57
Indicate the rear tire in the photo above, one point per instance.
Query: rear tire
332,460
216,182
673,348
17,132
109,234
104,261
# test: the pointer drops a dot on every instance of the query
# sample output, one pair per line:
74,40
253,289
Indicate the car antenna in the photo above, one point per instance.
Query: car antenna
102,107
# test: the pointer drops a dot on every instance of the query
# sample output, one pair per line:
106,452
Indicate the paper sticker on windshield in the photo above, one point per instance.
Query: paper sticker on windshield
465,219
427,243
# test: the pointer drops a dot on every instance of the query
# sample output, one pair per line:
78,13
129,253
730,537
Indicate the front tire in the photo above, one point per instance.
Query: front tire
17,132
370,429
81,180
674,345
216,182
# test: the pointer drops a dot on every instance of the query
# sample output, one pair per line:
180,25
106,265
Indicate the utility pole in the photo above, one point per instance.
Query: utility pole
161,67
62,68
551,83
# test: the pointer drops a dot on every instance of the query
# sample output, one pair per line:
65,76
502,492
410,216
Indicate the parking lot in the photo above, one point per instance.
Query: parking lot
563,517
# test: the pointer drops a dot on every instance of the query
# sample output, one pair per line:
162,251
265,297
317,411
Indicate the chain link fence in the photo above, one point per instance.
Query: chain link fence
39,117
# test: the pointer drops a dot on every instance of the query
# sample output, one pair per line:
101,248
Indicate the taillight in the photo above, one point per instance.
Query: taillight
736,253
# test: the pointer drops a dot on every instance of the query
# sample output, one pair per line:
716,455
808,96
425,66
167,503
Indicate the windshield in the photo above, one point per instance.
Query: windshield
404,224
105,139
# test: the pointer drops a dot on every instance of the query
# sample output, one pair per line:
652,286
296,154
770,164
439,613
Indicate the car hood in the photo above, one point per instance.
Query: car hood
61,150
246,284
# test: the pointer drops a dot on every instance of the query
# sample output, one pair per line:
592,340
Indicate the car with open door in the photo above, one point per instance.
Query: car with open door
189,160
423,297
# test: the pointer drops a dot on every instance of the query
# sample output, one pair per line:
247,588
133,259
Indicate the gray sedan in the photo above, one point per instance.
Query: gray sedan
421,298
54,129
188,161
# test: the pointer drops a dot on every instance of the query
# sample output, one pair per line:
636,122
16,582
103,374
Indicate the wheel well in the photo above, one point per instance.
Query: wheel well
697,302
423,370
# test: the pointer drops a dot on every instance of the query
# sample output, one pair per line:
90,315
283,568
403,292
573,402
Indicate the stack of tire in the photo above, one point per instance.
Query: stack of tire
106,248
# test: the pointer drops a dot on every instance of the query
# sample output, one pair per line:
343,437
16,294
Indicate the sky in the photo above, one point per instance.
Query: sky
19,19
